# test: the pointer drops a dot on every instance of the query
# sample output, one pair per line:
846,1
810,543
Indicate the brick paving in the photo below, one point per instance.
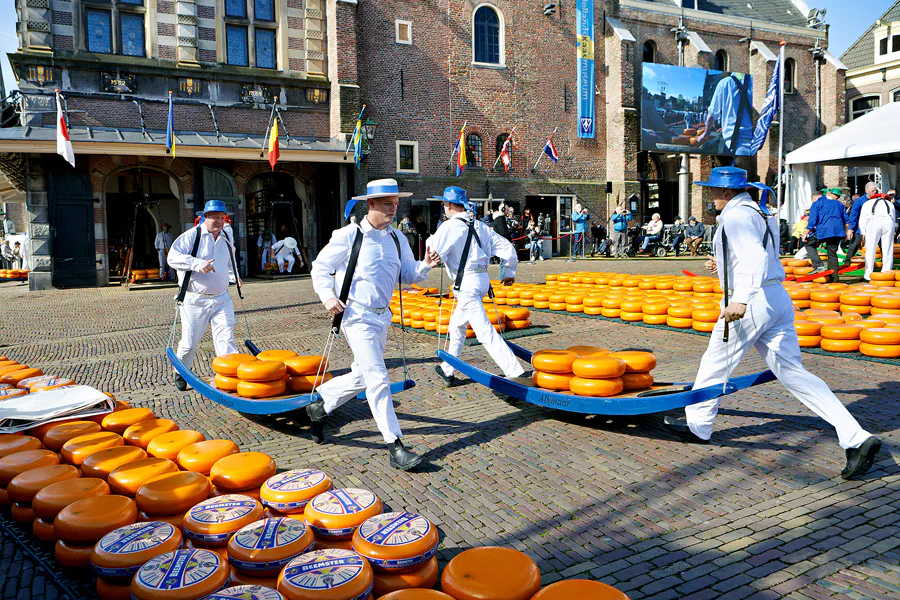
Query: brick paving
760,513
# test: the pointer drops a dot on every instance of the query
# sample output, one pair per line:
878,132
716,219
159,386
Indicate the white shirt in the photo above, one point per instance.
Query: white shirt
282,251
654,227
377,269
749,263
7,251
267,242
449,240
163,241
876,207
220,249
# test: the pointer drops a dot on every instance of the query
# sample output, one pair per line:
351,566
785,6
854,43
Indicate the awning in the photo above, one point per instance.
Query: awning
863,141
227,146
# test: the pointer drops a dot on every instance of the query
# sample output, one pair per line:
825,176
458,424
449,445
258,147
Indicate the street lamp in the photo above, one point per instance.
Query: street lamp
368,130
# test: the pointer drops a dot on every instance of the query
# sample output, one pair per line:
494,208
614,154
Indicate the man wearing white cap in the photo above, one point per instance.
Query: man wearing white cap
205,267
471,286
877,222
382,258
285,250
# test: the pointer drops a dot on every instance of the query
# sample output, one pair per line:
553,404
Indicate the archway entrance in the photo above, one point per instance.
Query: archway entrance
657,194
274,206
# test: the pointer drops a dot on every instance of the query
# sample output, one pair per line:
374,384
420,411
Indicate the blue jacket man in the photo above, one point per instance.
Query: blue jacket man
619,236
827,224
580,220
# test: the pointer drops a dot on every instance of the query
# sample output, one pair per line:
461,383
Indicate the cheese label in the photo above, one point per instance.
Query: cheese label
44,380
179,569
223,509
270,533
12,392
324,569
344,501
137,537
395,529
246,592
296,481
4,386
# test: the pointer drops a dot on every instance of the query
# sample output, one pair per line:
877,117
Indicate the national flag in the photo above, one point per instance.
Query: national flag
357,143
550,150
506,153
63,141
274,149
170,128
768,112
461,160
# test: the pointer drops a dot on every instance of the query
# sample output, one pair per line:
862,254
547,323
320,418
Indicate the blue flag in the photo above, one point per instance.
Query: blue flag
170,128
768,112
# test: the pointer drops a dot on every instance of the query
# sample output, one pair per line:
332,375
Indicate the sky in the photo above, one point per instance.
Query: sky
849,19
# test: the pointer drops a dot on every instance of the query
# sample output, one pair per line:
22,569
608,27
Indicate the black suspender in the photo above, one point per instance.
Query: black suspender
464,257
187,275
348,279
233,265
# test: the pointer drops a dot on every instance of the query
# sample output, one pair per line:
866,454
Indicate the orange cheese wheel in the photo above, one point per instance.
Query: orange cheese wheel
517,325
871,323
655,308
101,464
113,590
76,450
516,314
886,302
14,377
655,319
44,381
253,492
582,589
541,305
43,530
602,367
636,361
829,296
228,364
5,362
415,594
420,578
201,456
326,575
6,394
41,430
809,341
172,493
118,422
491,572
303,384
50,500
57,436
225,383
637,381
808,327
552,381
242,471
291,491
22,513
553,361
10,444
880,336
596,387
679,322
73,556
265,547
212,522
128,478
585,351
246,592
681,311
337,513
706,315
120,406
141,434
180,575
877,276
856,299
237,578
173,520
631,316
25,485
86,521
14,464
122,552
881,351
276,355
836,345
590,310
840,332
261,370
11,369
168,445
261,389
632,306
396,541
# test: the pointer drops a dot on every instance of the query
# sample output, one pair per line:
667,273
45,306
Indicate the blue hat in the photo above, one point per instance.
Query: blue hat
455,195
730,178
214,206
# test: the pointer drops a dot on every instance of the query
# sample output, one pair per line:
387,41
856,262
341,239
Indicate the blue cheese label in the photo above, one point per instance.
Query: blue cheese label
136,537
344,501
324,570
179,569
246,592
270,533
222,509
395,529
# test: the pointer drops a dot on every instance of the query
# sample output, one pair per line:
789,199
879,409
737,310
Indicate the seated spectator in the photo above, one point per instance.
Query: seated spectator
653,233
598,238
678,230
694,235
797,232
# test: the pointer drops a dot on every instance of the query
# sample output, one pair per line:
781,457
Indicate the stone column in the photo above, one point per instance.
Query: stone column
314,32
186,31
35,30
38,212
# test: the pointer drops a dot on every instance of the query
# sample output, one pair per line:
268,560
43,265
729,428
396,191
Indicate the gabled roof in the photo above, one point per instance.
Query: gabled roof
862,52
782,12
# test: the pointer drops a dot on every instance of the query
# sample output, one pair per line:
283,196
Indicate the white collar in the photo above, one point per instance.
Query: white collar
366,227
741,198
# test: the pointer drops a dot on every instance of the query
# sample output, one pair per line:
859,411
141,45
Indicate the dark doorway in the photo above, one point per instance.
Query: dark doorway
71,203
273,207
657,194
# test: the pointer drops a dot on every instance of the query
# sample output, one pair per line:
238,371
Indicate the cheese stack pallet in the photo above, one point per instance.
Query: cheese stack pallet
433,314
592,371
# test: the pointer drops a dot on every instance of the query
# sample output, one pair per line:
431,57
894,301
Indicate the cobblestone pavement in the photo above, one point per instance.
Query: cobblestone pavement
759,513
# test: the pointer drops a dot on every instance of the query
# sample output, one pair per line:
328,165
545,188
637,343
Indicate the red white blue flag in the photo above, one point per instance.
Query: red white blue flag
550,150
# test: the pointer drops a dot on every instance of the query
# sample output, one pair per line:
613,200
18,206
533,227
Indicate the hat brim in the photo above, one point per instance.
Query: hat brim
373,196
441,199
724,187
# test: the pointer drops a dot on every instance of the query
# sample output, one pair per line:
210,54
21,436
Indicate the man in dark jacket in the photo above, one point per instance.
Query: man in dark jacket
499,223
678,230
694,233
827,225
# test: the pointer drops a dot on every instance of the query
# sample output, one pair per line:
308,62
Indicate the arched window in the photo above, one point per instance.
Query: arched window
488,35
501,139
473,149
790,73
721,62
649,51
861,106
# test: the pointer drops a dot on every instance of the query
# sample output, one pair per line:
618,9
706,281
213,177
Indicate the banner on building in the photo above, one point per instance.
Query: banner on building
584,19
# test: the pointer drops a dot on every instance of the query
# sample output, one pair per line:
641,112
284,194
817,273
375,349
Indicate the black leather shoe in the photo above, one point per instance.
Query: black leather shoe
317,416
180,383
680,428
401,458
449,380
860,460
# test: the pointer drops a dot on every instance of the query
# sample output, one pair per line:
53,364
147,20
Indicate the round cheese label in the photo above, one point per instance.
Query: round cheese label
344,501
4,386
222,509
324,569
296,481
179,569
246,592
270,533
12,392
395,529
136,537
45,380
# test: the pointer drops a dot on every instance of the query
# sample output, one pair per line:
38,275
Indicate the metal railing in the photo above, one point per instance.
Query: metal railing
11,110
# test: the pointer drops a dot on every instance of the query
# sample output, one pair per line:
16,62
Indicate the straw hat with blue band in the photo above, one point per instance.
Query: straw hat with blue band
455,195
380,188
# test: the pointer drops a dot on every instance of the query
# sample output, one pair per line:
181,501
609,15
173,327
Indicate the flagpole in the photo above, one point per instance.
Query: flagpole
781,178
511,134
350,142
541,155
268,128
453,152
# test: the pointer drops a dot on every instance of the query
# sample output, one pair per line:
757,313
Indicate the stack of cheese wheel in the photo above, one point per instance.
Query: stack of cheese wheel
638,367
56,437
579,588
47,503
24,486
168,497
883,279
225,367
128,478
553,369
122,552
212,522
142,433
17,463
262,379
491,572
334,574
81,524
881,342
303,370
597,374
77,449
335,514
242,473
843,337
168,445
398,542
705,316
263,548
288,493
517,317
188,574
118,422
43,382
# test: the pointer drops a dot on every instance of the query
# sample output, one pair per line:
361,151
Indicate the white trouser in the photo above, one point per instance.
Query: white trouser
263,258
768,325
163,266
470,309
290,261
366,334
196,313
879,230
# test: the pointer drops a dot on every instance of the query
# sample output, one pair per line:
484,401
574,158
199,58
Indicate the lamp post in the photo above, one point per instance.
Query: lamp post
369,128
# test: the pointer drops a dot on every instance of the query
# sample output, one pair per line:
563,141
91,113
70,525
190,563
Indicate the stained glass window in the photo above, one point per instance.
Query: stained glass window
265,48
264,10
236,41
487,36
132,28
136,2
236,8
473,149
99,31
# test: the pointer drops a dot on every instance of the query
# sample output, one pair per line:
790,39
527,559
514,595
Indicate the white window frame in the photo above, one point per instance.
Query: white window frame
397,24
502,63
415,146
891,95
851,116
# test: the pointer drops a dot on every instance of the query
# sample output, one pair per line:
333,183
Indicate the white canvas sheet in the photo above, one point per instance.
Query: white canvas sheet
25,412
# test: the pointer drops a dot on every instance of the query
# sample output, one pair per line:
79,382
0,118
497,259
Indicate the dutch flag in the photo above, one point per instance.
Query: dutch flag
550,150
